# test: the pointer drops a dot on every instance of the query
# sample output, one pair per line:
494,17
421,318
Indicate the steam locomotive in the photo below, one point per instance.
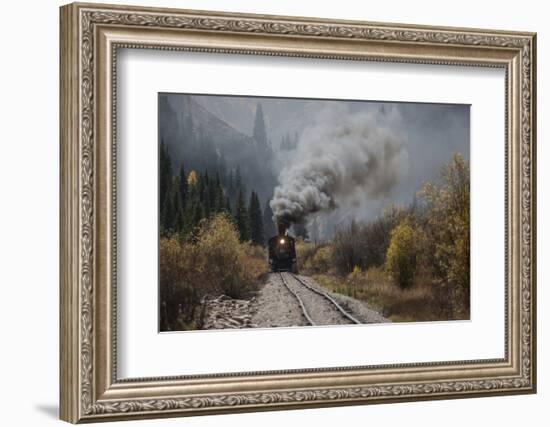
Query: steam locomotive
282,253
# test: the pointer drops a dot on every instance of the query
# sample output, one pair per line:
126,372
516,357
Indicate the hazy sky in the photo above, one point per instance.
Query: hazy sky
431,132
423,136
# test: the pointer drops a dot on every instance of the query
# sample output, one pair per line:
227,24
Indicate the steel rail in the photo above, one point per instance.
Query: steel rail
327,297
304,311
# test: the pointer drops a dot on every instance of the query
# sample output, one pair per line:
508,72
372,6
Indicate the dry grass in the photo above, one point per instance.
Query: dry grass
420,302
253,261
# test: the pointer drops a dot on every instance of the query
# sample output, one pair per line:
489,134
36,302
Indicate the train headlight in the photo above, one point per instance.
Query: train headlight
282,241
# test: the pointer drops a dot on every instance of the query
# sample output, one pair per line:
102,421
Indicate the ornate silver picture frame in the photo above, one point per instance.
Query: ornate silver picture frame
91,36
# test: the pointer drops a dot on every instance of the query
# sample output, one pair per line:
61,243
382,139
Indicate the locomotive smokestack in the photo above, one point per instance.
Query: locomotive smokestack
282,225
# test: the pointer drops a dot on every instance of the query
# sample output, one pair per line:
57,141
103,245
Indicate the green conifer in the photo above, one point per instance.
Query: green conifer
256,221
241,218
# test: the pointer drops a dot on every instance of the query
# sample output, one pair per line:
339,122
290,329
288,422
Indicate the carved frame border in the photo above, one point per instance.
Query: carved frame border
85,395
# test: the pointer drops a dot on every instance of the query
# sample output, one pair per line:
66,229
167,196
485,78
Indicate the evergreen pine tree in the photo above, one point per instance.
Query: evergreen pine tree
178,210
259,133
165,178
203,192
231,186
169,213
269,224
198,213
183,186
219,195
227,204
256,222
192,212
212,202
242,220
239,186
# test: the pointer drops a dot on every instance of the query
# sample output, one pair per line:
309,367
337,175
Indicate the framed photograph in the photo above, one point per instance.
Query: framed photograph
267,212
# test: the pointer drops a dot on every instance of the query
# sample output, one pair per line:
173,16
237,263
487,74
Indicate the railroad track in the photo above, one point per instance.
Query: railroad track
329,301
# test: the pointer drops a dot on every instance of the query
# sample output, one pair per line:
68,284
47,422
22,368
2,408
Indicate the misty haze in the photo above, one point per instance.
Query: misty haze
279,212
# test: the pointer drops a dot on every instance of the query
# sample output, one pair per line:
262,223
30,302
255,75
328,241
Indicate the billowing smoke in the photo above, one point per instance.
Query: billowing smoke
345,159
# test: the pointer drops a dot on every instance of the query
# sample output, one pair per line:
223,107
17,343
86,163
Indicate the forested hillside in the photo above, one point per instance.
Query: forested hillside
198,139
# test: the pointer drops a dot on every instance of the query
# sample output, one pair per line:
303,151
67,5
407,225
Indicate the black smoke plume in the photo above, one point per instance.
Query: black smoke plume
340,161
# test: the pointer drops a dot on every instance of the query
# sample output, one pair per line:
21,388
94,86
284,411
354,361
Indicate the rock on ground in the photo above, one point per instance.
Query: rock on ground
275,306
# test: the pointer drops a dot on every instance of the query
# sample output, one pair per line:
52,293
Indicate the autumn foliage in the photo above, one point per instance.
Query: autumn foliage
448,229
413,261
402,256
215,262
